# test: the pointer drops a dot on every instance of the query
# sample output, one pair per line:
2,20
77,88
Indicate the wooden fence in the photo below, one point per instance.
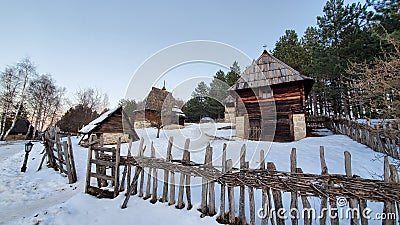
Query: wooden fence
383,140
60,155
265,179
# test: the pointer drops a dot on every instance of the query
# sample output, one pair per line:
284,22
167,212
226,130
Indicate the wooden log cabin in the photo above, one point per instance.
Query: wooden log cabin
159,107
112,125
271,101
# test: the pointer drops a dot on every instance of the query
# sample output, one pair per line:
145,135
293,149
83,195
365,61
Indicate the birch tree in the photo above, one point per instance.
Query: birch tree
25,71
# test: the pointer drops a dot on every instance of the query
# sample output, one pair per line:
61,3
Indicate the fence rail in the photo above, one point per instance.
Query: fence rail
386,141
265,179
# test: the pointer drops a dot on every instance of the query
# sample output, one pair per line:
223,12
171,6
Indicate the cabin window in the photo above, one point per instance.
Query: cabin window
269,93
264,94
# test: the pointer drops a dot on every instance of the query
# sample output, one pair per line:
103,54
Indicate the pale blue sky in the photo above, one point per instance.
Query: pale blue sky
102,43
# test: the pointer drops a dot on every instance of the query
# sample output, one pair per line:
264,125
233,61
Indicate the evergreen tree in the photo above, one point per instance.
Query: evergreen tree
233,75
76,117
289,50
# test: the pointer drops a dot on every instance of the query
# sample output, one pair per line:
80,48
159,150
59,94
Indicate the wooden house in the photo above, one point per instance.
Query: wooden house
159,108
19,131
112,125
271,102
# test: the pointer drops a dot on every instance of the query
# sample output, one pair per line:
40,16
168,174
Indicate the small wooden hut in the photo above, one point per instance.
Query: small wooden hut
19,131
271,95
112,125
159,107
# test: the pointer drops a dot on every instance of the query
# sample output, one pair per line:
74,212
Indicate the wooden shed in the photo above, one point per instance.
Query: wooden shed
159,107
271,96
112,125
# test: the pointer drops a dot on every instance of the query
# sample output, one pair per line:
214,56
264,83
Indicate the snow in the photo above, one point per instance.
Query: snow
86,129
45,196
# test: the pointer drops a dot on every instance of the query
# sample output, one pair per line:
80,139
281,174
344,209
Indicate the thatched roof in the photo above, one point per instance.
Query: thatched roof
267,71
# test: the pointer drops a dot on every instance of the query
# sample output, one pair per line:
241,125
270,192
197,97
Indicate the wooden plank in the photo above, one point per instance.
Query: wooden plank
222,215
186,155
231,195
102,176
324,200
294,203
242,213
394,176
168,158
154,188
306,205
172,189
117,161
277,195
100,193
264,193
204,187
105,149
185,158
88,166
139,153
148,183
211,187
388,207
353,203
127,170
130,189
103,163
251,202
67,163
72,158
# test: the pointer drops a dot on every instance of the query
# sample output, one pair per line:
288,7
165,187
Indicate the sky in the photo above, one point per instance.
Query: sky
102,44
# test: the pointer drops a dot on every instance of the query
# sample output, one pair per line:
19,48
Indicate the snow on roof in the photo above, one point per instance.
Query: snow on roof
92,125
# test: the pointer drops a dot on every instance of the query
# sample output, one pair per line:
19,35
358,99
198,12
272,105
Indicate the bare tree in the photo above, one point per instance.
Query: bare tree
377,88
25,71
92,98
9,84
44,101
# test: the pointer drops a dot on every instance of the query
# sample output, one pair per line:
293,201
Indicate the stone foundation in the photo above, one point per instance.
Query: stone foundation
299,126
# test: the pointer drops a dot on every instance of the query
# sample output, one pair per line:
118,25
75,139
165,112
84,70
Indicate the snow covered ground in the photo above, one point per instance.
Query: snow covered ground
45,197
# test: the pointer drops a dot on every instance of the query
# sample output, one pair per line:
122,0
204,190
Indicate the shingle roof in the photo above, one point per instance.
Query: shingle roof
155,99
268,70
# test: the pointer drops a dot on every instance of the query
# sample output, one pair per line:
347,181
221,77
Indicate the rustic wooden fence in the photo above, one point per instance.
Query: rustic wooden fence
265,179
384,140
60,155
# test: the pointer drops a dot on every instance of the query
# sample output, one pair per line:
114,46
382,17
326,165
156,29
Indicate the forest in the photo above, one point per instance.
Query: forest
352,54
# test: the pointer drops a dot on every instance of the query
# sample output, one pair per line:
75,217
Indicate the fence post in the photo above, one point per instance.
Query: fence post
277,198
242,214
324,200
154,192
222,215
67,162
148,194
204,186
388,207
211,185
395,179
138,170
265,193
352,202
294,203
72,158
141,174
306,205
185,158
186,155
168,158
251,202
231,195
